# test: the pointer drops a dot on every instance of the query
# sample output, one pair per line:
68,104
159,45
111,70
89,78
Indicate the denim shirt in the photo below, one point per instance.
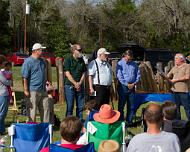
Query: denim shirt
127,72
34,70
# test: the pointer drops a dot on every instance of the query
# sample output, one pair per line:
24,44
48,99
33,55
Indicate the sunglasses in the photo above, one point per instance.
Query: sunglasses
79,50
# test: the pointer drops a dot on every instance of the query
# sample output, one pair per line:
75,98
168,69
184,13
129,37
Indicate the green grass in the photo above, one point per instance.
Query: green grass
59,108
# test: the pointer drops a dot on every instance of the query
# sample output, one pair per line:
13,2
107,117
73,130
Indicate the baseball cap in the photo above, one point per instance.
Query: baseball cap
102,51
37,46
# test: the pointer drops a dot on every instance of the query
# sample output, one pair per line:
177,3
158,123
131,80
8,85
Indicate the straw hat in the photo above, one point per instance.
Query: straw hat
109,146
107,115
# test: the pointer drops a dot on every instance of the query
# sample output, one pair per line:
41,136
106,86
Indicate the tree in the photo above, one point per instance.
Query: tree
5,32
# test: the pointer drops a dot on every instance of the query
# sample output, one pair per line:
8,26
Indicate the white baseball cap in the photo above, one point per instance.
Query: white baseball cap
37,46
102,51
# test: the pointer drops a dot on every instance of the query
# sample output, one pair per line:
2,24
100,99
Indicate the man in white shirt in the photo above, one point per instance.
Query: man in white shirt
100,78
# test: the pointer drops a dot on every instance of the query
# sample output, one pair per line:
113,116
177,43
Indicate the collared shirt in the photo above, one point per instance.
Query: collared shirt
105,72
34,70
178,72
127,72
76,67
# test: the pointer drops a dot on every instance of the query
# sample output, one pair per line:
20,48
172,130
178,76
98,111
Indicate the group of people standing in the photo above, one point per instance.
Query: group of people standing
100,80
99,73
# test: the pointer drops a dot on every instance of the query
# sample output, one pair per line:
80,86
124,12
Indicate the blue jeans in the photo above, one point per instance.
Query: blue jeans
125,95
184,100
70,95
4,103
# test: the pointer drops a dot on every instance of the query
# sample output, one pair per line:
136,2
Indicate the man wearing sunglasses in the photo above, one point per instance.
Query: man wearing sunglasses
74,70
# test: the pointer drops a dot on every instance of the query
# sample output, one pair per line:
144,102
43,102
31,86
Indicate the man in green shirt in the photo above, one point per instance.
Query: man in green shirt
74,69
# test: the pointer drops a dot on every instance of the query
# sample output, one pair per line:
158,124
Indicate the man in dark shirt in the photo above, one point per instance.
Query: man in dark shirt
74,69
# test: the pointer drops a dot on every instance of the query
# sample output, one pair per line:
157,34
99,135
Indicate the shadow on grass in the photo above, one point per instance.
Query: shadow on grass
19,96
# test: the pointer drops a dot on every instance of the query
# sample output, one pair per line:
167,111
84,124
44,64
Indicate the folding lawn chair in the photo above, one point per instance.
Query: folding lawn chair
97,132
14,107
30,137
87,148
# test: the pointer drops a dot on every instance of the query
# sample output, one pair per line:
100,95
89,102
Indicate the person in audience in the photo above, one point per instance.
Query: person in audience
4,100
70,130
171,124
128,75
154,139
179,77
100,78
89,107
49,90
107,127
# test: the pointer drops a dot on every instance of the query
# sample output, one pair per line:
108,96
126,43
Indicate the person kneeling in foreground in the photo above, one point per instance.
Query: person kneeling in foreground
70,129
154,139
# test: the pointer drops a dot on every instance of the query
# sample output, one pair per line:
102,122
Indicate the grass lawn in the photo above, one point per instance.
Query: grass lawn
58,108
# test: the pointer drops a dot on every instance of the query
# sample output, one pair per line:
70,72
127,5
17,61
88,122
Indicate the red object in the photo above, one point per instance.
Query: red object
17,58
69,146
107,115
49,55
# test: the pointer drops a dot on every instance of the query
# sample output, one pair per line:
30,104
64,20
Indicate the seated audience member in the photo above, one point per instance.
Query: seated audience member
49,89
171,124
107,127
109,146
90,111
70,129
154,139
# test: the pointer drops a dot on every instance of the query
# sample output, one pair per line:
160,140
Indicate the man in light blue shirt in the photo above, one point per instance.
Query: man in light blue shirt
128,75
100,77
34,78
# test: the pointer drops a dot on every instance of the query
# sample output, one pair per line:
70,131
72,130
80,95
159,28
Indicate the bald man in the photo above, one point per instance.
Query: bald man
179,76
154,140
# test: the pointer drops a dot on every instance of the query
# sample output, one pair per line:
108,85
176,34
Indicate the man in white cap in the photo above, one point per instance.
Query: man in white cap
100,78
34,80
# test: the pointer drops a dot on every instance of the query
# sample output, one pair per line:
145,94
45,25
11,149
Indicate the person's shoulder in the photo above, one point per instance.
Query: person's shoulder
29,59
134,63
138,137
91,63
169,135
68,57
120,61
187,65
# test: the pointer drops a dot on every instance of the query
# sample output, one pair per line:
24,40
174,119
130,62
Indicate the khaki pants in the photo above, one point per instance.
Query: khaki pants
39,100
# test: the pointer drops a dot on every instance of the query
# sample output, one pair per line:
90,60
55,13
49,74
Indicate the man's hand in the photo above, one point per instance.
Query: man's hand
77,86
174,80
130,86
26,93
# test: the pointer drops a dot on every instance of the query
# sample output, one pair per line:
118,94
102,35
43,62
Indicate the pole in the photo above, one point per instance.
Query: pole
27,12
25,30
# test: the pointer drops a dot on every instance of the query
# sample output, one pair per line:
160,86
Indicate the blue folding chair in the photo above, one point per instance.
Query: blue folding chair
85,148
30,137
